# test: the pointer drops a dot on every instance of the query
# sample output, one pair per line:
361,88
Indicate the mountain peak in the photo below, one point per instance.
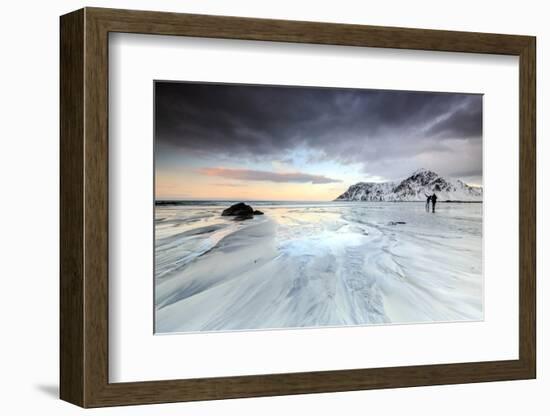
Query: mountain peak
424,172
421,170
422,177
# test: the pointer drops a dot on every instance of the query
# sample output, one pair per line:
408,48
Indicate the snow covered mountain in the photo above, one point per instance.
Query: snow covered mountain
413,188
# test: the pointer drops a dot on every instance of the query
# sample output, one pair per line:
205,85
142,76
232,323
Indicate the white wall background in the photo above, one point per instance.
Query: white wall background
29,209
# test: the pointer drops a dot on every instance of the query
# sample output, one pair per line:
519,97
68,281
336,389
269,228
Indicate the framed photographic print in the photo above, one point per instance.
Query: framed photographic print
256,207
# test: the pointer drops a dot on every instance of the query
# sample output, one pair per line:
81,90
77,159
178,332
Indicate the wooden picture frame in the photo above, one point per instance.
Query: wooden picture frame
84,207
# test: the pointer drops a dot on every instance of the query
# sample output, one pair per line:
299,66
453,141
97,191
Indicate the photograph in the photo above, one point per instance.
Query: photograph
286,207
278,207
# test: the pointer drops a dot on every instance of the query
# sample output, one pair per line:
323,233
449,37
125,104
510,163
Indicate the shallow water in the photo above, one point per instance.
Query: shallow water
310,265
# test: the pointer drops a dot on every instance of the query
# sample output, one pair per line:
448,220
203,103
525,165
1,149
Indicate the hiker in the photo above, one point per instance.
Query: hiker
434,200
428,199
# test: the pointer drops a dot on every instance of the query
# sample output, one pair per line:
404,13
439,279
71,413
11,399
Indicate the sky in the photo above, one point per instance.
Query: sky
256,142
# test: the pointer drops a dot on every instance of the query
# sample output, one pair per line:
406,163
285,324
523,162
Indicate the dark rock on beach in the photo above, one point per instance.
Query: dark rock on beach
396,222
241,211
238,209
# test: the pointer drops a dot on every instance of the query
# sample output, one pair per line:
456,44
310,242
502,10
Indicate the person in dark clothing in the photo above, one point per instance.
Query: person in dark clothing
434,200
428,200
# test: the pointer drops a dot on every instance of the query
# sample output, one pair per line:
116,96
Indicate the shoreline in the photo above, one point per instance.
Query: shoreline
203,202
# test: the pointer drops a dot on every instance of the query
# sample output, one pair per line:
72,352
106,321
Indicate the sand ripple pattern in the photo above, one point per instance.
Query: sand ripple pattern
317,265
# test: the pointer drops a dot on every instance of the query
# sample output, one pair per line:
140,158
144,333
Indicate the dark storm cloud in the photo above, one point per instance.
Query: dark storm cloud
372,127
265,176
464,122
